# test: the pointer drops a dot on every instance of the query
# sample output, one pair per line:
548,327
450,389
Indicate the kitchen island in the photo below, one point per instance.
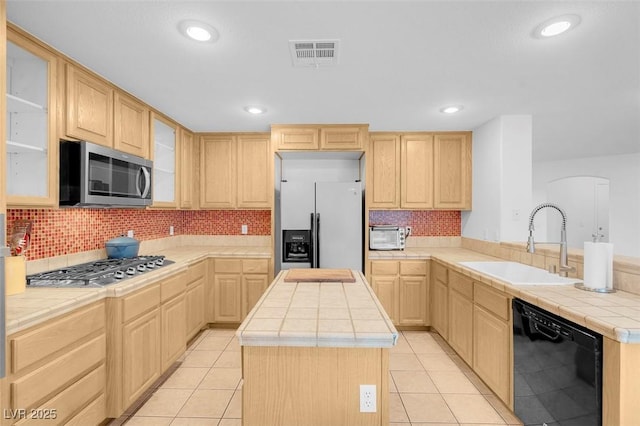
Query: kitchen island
306,349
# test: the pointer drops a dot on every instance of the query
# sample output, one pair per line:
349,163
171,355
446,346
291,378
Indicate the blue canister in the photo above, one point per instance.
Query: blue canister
122,247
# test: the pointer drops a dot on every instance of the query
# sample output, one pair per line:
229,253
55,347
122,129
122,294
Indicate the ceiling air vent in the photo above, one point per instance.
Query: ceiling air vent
314,53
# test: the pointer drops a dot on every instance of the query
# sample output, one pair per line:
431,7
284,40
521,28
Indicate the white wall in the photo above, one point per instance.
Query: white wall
623,172
502,181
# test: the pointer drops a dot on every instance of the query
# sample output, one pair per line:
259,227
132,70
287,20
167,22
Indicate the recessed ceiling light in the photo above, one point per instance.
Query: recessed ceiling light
556,26
451,109
255,109
199,31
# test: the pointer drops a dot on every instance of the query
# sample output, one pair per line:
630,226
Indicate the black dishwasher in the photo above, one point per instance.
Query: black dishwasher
557,378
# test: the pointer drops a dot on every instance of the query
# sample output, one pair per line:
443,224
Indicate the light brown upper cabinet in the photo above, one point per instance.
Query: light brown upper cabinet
166,161
416,173
254,174
89,107
452,171
419,170
99,113
31,139
235,171
187,168
130,125
383,161
348,137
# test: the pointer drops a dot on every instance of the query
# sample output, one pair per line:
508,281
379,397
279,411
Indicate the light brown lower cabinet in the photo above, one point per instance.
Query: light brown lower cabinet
492,348
461,325
439,300
475,319
140,356
195,299
56,370
253,287
147,333
237,286
401,287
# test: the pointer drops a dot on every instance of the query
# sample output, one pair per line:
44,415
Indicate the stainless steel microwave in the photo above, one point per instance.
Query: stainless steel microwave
94,175
387,237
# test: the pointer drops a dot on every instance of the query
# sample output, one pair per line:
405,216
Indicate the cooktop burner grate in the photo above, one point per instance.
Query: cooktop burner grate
97,273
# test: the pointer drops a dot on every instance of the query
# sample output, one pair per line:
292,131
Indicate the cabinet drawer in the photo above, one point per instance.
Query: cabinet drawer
28,390
461,284
93,414
495,302
195,272
440,273
384,268
255,266
228,266
413,267
336,138
173,286
67,402
140,302
38,344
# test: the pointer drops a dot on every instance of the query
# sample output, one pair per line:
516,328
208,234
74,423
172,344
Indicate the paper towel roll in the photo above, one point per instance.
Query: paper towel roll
598,265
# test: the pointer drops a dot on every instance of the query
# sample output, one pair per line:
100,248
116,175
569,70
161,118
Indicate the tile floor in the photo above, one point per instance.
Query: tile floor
430,385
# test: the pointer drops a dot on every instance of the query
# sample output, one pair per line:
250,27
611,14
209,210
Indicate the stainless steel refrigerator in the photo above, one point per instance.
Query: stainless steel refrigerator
321,225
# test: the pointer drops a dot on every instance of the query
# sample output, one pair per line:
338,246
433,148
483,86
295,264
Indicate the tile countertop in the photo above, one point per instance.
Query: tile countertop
327,314
614,315
36,305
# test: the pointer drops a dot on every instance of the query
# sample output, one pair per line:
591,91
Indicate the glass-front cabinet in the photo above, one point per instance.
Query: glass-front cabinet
31,144
165,161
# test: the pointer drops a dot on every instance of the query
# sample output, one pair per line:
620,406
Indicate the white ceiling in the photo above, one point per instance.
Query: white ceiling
399,63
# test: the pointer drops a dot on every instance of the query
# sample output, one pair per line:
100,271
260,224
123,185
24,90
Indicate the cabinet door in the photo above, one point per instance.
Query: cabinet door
383,159
141,355
413,300
187,169
227,292
31,139
461,325
131,125
440,308
89,107
253,287
217,172
491,352
416,171
296,138
166,148
195,301
452,171
342,138
174,330
255,180
386,289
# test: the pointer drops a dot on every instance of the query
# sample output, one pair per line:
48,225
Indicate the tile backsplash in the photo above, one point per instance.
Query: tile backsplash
58,232
424,223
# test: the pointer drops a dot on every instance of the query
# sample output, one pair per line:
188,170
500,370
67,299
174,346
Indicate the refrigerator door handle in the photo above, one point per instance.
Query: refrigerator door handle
317,240
312,257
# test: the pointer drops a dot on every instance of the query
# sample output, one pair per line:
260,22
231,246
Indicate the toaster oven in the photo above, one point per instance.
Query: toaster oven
387,237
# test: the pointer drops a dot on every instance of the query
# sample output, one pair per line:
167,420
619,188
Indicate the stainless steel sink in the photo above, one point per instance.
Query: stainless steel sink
518,274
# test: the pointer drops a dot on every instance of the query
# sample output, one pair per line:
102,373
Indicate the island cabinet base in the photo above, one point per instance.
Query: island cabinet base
285,385
621,384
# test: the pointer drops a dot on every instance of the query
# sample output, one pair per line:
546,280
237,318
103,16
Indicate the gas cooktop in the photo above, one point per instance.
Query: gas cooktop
98,273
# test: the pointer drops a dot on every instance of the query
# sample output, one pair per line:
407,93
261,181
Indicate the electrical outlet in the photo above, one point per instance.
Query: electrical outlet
130,233
171,230
368,399
408,231
244,229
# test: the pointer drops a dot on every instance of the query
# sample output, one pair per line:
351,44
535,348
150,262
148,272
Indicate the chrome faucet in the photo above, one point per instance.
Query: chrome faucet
564,267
